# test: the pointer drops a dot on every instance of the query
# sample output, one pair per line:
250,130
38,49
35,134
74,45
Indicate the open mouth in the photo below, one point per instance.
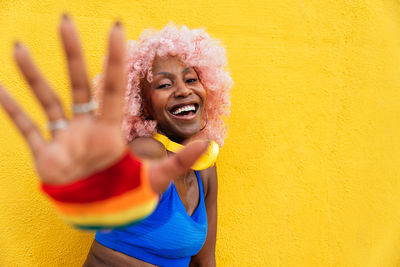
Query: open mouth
188,111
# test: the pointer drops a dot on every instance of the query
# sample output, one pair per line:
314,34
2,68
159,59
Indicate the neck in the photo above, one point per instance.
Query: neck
177,139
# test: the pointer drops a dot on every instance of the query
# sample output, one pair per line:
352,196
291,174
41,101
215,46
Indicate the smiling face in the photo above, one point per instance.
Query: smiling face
175,98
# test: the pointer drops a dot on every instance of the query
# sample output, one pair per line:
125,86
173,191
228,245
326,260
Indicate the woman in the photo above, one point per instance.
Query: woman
179,74
177,86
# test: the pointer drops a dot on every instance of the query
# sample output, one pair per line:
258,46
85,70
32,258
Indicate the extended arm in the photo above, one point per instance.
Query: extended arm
88,150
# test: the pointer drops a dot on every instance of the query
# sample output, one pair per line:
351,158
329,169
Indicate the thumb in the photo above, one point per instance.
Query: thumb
162,172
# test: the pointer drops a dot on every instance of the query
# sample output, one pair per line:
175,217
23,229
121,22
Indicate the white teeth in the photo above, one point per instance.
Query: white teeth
184,108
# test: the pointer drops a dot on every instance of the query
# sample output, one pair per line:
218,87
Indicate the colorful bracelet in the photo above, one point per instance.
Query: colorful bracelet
118,196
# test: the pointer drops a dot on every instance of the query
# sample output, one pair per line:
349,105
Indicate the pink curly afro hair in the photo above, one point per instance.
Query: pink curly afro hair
194,48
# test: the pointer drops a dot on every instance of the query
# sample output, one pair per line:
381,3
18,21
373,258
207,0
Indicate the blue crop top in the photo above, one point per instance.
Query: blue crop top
168,237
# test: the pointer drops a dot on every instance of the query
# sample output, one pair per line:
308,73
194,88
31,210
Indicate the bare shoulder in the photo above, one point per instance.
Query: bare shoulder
148,148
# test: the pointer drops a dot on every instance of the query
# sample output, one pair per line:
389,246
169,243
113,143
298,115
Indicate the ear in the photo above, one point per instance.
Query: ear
147,115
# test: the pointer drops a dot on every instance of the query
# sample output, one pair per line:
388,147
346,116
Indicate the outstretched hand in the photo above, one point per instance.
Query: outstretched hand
87,142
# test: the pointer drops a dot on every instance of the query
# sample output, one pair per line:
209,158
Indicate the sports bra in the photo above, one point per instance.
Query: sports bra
168,237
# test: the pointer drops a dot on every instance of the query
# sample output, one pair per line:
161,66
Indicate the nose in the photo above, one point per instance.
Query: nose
182,90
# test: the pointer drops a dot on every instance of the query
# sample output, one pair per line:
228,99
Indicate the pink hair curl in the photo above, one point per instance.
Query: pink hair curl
194,48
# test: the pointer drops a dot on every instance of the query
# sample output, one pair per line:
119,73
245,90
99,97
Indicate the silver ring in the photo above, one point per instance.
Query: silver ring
57,125
85,107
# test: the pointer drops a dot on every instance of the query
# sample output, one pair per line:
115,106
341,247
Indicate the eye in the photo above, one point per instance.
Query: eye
192,80
165,85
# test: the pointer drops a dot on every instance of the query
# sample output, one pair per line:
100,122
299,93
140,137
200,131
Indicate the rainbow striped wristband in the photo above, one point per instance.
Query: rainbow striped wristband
118,196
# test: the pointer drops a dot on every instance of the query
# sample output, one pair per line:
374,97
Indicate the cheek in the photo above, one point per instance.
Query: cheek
203,94
158,102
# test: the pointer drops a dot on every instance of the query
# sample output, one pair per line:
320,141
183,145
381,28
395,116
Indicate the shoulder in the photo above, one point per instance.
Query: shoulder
148,148
209,179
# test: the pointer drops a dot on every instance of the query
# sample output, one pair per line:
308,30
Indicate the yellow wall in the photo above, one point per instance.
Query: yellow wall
310,173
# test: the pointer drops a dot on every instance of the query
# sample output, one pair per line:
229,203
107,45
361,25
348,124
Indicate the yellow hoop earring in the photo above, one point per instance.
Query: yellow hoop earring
205,161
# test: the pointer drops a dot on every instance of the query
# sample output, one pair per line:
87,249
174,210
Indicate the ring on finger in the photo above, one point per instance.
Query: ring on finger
79,108
57,125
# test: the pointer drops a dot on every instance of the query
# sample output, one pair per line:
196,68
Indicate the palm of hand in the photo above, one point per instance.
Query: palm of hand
86,146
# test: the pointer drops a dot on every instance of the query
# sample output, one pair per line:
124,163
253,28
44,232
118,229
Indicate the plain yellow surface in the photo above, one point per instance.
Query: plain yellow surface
310,173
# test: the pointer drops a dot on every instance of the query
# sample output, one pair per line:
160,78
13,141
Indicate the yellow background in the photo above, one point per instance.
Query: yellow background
310,173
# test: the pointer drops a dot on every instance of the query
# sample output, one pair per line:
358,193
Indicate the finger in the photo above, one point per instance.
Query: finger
24,124
114,80
76,64
47,98
160,174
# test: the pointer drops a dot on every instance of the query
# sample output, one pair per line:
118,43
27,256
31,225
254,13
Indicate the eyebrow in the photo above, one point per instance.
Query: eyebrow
164,73
170,74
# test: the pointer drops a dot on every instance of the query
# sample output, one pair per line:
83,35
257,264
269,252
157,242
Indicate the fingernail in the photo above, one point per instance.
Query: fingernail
117,24
17,44
65,16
